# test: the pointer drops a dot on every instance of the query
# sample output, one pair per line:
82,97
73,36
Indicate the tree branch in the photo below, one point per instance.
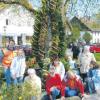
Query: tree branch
66,1
64,7
19,2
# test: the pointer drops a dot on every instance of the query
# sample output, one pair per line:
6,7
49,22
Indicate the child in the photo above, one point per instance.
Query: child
71,62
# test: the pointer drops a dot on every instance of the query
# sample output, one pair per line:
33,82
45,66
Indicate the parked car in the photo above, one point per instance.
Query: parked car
95,48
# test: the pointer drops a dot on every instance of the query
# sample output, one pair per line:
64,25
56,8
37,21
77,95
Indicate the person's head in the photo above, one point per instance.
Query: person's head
12,42
52,71
69,58
11,45
31,72
75,44
70,75
20,52
86,49
55,60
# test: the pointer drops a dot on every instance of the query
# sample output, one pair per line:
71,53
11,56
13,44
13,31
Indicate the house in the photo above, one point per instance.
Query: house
16,23
76,22
96,35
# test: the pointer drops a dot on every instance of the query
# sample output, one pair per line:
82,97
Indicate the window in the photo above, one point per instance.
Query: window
19,40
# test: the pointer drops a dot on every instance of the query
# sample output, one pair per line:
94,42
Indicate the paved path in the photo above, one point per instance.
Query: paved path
86,97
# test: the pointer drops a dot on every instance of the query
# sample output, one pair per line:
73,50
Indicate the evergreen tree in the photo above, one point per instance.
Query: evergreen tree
40,33
57,29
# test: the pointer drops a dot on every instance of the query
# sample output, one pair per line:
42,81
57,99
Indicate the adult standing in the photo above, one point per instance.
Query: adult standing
75,50
85,59
7,60
18,67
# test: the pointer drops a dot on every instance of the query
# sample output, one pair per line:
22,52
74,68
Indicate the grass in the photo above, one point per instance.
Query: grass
97,56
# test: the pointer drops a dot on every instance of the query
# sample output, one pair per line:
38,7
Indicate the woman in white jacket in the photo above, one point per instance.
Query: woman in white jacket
18,67
85,59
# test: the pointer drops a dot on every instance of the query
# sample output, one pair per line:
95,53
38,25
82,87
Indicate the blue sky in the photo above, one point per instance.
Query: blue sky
35,3
78,8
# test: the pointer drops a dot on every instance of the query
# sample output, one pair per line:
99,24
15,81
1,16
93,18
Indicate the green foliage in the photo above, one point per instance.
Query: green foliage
11,93
31,63
40,34
75,34
46,62
23,92
48,27
35,43
55,42
62,43
65,62
87,37
3,6
57,28
30,89
1,71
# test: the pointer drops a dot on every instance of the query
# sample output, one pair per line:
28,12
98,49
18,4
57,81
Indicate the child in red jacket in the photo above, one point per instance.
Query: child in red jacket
54,85
73,85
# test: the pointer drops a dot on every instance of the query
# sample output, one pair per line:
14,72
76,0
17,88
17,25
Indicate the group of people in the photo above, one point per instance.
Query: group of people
13,62
62,82
59,82
68,83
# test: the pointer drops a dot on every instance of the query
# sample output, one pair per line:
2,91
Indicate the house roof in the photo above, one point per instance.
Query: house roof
93,24
75,22
95,30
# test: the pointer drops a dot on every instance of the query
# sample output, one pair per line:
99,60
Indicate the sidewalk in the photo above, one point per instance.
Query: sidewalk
86,97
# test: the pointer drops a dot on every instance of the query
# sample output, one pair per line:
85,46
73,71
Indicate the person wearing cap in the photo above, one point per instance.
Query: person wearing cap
59,66
18,67
34,82
85,59
73,85
54,86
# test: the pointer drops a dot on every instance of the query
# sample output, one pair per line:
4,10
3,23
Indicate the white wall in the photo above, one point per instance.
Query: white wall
20,21
95,36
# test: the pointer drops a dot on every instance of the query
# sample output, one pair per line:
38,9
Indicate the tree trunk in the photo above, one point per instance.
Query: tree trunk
49,35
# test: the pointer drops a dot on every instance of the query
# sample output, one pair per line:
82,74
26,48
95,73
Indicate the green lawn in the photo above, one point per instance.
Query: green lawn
97,56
